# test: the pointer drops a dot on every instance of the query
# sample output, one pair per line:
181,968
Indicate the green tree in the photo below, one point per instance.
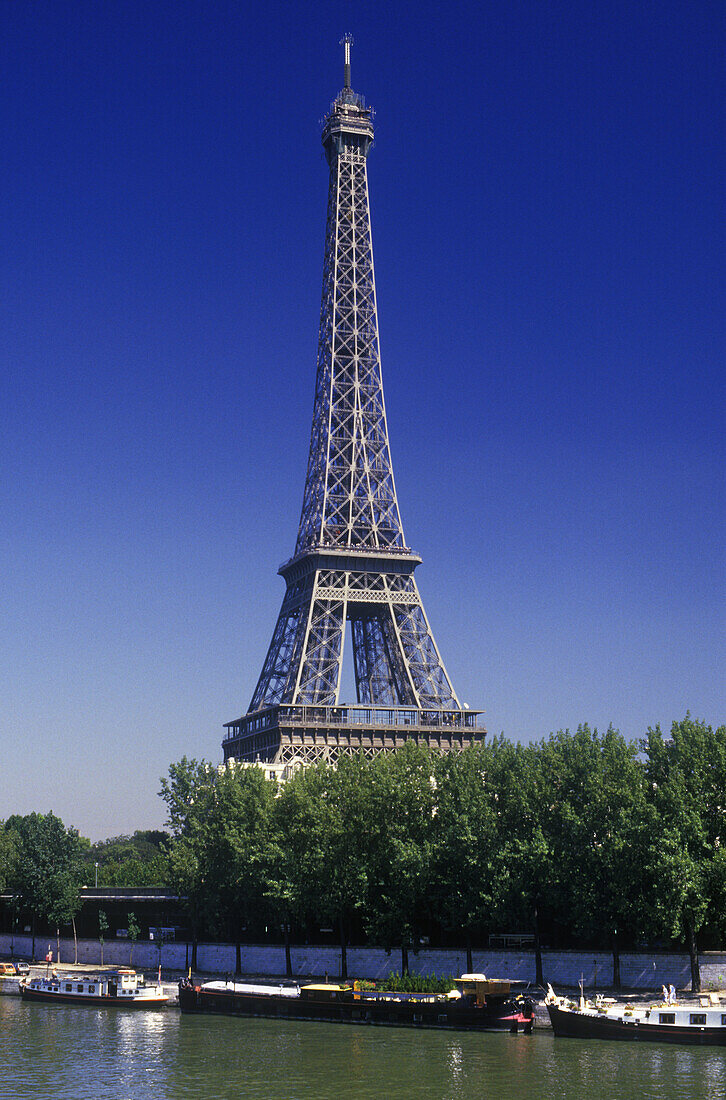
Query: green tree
524,881
318,866
346,854
287,884
401,846
102,930
8,856
47,867
686,776
137,860
187,876
218,857
185,792
600,832
465,841
188,794
236,838
134,931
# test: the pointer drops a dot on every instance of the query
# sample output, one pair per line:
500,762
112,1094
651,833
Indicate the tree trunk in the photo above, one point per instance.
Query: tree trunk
469,957
238,959
538,977
343,951
404,959
616,961
693,955
75,942
288,956
194,950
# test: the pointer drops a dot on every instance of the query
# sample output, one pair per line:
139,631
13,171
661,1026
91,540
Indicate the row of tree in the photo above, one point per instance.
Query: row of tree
43,865
593,838
599,839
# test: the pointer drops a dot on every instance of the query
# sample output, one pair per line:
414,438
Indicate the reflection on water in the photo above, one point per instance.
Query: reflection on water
455,1060
56,1051
48,1051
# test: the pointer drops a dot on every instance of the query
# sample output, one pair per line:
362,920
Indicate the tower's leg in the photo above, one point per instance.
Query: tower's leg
318,679
305,656
277,678
425,667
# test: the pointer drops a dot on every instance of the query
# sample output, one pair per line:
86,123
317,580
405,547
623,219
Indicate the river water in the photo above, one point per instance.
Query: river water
50,1051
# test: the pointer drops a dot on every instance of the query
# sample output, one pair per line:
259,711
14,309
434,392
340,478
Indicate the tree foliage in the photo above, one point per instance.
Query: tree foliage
137,860
44,868
686,777
584,837
219,852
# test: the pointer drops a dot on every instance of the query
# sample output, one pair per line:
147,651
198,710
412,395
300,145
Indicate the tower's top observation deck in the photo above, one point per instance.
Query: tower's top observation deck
349,126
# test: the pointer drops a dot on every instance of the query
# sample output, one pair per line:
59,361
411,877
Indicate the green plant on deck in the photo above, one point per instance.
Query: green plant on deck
416,983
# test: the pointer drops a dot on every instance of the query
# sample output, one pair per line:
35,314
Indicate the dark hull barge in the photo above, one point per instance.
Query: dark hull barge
696,1025
477,1005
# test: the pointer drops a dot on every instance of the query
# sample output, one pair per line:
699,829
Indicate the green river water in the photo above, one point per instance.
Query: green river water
49,1051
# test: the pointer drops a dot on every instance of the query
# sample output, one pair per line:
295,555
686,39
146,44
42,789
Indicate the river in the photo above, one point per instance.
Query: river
50,1051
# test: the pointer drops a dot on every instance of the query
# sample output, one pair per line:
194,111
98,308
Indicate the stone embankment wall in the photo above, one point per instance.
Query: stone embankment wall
563,968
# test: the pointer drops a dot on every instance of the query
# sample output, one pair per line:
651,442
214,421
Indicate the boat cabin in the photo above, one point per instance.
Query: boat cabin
479,987
108,983
326,992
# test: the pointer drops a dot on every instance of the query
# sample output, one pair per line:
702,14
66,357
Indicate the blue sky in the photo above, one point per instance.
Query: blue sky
547,203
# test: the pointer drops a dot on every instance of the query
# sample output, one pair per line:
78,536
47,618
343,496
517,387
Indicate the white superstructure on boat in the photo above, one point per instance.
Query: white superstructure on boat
667,1021
123,987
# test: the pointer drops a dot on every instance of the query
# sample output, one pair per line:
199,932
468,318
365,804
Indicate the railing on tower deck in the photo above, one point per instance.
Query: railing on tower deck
359,714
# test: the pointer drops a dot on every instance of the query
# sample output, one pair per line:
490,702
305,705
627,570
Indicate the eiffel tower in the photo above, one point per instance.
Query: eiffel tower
351,561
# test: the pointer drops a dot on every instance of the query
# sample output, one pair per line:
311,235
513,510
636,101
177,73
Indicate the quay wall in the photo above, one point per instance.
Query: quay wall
564,968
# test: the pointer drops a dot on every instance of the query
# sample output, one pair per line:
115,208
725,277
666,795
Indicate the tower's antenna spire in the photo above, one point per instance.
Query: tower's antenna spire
346,41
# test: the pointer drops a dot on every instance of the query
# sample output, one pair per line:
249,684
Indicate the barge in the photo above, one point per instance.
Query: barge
703,1024
477,1004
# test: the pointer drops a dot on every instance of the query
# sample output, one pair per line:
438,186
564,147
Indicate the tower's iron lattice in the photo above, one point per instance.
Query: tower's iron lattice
351,561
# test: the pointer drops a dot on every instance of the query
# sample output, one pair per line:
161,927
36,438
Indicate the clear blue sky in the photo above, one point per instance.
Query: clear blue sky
548,216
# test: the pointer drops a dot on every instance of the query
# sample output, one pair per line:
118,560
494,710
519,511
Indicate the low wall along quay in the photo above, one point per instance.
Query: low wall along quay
564,968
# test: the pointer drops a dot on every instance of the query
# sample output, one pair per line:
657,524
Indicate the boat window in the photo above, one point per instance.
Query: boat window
80,987
667,1018
69,988
698,1017
91,989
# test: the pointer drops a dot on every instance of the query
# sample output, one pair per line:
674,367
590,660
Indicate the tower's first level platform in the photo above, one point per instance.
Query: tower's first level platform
288,733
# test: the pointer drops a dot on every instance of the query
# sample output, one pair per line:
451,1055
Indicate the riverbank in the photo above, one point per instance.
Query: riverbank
638,970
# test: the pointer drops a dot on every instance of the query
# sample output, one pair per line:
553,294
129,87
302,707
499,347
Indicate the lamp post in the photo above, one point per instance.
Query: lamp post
96,875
